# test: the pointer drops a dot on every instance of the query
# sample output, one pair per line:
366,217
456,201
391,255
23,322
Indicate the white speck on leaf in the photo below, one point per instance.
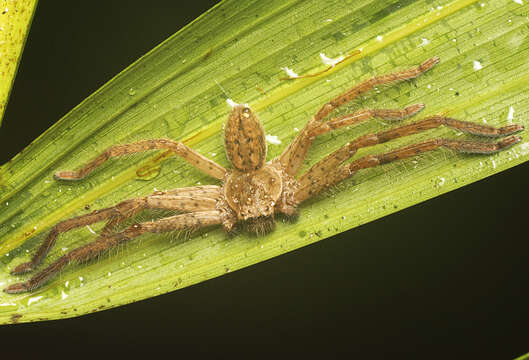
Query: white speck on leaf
510,116
524,148
379,37
328,61
90,229
477,65
231,103
424,42
520,2
272,139
34,299
290,72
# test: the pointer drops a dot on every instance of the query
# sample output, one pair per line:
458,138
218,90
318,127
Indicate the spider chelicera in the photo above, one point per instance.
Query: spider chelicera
255,190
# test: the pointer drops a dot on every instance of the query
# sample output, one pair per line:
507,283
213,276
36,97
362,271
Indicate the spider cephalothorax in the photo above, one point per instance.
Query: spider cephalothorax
254,190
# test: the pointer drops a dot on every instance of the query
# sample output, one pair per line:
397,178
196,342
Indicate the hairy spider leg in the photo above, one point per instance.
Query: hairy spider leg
191,199
292,158
199,161
326,173
194,192
296,161
366,114
89,251
321,168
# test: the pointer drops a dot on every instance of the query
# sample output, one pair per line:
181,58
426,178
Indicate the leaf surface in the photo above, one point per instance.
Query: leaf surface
177,91
15,19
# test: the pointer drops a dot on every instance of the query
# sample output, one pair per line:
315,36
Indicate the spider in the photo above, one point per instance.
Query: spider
254,190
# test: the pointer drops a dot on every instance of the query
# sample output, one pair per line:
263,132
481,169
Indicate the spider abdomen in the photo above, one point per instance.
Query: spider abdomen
244,140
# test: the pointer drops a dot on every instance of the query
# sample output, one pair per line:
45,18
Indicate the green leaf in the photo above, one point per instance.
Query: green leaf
241,46
523,357
15,19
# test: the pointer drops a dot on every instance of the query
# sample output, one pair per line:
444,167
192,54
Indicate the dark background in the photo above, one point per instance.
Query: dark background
445,278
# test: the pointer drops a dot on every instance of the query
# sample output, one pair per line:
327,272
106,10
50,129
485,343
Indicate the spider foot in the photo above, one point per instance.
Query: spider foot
508,142
511,129
428,64
414,109
17,288
67,175
23,268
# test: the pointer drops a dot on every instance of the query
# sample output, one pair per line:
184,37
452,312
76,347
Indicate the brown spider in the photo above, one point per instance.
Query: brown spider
255,190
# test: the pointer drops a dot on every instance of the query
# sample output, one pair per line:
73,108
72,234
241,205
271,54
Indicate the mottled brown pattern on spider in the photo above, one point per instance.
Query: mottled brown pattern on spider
255,190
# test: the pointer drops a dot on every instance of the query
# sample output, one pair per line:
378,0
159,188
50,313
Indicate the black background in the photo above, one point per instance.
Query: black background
445,278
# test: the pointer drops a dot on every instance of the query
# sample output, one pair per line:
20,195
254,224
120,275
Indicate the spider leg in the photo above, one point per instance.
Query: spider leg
213,191
186,199
363,115
320,169
318,176
343,172
371,83
294,155
297,151
89,251
201,162
194,192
